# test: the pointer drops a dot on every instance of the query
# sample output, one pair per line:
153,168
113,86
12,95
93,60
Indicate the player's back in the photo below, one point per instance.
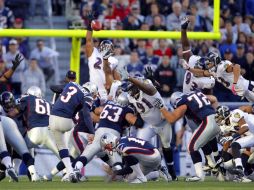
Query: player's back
132,146
35,110
198,106
144,106
113,116
70,101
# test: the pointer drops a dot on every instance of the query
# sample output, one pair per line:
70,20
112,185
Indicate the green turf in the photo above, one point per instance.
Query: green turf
98,183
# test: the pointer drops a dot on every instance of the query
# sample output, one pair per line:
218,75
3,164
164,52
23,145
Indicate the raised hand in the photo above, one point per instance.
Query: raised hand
17,60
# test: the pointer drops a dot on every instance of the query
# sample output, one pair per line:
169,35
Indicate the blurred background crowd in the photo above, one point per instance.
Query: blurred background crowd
236,44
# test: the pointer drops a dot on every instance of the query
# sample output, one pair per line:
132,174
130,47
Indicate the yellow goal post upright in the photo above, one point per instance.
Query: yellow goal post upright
76,35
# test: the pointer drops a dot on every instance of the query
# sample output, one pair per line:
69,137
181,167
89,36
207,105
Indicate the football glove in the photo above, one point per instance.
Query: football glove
17,60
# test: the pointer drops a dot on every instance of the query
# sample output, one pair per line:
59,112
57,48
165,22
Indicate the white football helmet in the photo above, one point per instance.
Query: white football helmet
35,91
91,88
122,99
108,142
175,98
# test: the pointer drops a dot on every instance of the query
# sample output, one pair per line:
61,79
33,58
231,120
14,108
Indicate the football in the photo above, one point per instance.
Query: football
96,25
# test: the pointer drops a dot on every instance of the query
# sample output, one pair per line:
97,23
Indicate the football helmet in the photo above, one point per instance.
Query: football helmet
91,88
175,98
214,58
122,99
7,100
222,114
108,142
106,49
34,91
202,63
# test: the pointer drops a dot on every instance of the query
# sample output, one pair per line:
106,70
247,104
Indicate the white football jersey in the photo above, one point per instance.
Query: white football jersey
114,86
237,114
97,75
227,79
192,83
144,106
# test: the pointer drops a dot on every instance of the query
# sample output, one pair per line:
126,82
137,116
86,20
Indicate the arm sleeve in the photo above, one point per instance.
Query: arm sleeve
87,118
57,88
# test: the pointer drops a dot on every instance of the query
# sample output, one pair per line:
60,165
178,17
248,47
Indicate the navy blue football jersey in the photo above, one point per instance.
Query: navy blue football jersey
198,106
81,125
71,101
131,145
35,111
113,116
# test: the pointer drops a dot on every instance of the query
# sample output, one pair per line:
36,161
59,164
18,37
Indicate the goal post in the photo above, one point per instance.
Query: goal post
77,34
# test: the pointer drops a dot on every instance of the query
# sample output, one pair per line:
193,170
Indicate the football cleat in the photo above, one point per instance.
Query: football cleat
239,170
163,173
47,178
73,178
241,179
11,172
77,173
139,180
35,177
193,179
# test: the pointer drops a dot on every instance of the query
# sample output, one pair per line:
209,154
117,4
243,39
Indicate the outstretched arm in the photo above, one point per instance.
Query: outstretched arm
146,88
172,117
184,39
108,74
15,63
89,35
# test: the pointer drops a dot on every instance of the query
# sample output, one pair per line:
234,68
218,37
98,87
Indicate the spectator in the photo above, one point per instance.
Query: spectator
108,19
7,17
185,6
4,86
240,26
100,7
22,41
242,39
249,7
154,12
84,69
198,23
17,76
240,58
151,59
228,29
157,24
141,49
163,48
166,77
20,8
44,8
228,45
44,55
120,9
228,55
122,57
249,67
131,23
206,12
144,26
233,5
135,11
173,20
135,66
174,62
33,76
204,50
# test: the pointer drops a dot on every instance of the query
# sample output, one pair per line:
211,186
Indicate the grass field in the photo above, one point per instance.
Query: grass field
98,183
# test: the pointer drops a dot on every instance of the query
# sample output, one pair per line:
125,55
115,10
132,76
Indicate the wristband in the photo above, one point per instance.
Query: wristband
234,82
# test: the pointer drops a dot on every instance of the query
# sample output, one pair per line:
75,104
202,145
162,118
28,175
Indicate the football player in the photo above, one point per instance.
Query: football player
142,95
197,108
13,136
102,66
113,117
140,157
73,99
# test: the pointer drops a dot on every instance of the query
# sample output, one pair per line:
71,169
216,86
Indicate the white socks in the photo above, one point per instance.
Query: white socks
238,162
199,170
7,161
67,163
16,164
79,165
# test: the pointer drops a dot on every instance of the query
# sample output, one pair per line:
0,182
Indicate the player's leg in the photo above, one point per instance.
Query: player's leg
165,135
207,130
58,126
15,140
5,157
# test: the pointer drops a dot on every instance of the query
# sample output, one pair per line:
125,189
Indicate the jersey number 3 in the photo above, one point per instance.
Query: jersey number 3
67,97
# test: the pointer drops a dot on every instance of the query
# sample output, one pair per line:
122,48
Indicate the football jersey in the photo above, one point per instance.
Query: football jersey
35,111
133,146
81,124
71,101
237,114
198,106
97,75
227,79
114,87
192,83
113,116
144,106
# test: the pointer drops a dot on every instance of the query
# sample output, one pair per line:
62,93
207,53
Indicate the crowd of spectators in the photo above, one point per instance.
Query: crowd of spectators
37,66
236,44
